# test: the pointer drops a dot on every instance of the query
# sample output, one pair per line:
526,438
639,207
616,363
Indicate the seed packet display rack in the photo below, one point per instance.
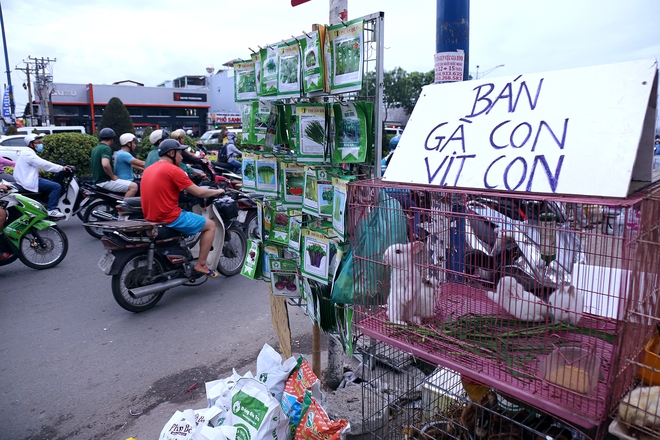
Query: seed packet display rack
615,267
270,244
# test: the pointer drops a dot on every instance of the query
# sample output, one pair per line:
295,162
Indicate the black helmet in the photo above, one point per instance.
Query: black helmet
169,145
106,133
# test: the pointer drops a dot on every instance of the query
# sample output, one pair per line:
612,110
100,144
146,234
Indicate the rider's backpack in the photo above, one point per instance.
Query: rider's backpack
222,154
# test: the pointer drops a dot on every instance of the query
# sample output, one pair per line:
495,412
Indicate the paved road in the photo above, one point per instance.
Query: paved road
77,366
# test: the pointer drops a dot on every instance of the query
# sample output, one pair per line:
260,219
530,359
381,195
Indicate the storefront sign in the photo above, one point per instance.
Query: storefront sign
227,118
196,97
585,131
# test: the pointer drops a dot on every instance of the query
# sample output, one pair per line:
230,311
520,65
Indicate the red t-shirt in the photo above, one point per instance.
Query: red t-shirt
159,191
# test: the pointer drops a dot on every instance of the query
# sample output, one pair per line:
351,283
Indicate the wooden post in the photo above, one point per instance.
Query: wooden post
316,350
279,318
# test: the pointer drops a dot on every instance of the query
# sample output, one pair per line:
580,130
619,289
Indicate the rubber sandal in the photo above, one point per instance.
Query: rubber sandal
210,274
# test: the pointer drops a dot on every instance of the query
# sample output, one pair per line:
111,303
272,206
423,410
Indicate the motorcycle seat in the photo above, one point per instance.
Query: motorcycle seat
164,233
24,191
93,187
133,202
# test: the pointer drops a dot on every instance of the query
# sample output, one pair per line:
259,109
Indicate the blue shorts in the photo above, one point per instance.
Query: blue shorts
188,223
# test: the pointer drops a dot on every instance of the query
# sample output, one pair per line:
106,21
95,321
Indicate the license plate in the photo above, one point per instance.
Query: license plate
241,216
105,263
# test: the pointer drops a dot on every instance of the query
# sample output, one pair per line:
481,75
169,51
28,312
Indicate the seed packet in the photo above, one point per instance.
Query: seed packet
266,181
310,203
261,121
256,59
315,256
346,53
315,424
311,132
269,251
279,227
247,122
251,263
245,81
293,185
324,191
291,126
269,64
249,171
295,227
351,140
339,207
284,277
289,81
313,61
271,126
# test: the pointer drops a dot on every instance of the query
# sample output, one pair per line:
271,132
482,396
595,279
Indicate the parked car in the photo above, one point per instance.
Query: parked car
50,129
12,146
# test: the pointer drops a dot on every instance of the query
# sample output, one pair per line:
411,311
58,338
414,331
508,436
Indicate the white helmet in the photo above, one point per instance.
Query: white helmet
189,132
158,135
126,138
32,137
178,134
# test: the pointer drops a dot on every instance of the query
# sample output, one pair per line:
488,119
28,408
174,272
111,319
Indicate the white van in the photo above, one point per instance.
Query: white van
50,129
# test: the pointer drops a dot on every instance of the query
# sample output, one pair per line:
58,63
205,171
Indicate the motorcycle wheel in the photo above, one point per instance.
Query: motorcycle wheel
251,226
93,214
132,274
43,249
233,252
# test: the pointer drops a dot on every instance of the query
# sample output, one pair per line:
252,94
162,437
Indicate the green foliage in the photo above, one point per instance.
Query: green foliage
11,130
116,116
70,149
401,89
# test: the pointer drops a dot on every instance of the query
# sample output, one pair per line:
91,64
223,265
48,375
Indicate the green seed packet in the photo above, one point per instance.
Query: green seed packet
284,277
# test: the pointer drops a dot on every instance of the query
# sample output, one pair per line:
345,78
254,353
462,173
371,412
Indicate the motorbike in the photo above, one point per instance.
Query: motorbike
504,237
28,235
101,205
146,259
72,199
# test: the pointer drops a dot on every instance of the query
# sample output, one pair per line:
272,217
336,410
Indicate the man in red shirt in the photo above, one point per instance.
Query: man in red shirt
161,184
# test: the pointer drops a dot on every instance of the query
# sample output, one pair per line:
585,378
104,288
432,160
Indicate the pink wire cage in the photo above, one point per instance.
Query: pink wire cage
574,361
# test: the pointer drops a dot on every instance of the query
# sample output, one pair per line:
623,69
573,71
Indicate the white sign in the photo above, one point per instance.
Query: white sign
582,131
449,66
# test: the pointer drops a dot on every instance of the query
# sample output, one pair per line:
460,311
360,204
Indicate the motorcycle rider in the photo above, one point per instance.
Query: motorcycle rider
101,162
27,169
156,137
161,184
232,152
180,136
3,211
125,162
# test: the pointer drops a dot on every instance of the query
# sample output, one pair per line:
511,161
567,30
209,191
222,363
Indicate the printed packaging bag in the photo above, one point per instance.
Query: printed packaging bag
311,132
284,277
313,61
351,141
302,379
339,207
289,81
310,194
315,256
245,81
256,59
266,175
279,227
256,414
269,65
251,263
249,171
269,251
293,185
181,426
316,425
346,53
295,228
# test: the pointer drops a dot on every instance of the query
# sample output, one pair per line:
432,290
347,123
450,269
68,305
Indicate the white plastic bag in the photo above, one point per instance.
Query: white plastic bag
217,433
272,372
255,412
181,426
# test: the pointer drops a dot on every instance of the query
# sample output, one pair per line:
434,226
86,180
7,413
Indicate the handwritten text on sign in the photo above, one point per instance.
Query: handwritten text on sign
576,131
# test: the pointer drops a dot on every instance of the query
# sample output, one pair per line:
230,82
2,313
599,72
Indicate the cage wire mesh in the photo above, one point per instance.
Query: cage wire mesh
417,400
549,299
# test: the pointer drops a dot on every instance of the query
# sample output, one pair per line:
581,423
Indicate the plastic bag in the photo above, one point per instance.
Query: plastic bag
272,371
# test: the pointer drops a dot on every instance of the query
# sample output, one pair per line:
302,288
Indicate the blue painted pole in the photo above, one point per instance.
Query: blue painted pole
453,29
453,34
11,91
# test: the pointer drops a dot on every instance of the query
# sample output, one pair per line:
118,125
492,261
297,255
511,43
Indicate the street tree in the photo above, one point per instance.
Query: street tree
116,116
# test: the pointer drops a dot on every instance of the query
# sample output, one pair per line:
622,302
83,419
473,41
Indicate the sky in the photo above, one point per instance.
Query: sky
152,41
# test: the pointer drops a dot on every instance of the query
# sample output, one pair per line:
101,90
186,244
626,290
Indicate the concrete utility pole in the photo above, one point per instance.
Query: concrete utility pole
42,86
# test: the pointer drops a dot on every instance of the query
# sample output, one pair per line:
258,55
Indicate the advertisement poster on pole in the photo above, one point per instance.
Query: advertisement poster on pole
449,66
